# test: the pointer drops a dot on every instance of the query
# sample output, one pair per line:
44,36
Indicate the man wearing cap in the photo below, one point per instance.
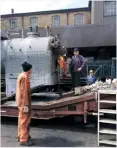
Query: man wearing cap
91,78
76,66
23,100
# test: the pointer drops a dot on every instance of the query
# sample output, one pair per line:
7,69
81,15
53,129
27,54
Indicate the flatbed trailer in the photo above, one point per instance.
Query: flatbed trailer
82,105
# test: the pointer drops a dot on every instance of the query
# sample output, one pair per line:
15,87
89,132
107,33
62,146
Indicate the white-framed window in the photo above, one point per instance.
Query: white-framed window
33,21
13,23
78,19
56,20
109,8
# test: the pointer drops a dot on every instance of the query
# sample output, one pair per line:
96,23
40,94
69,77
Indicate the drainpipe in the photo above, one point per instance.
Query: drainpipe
67,19
37,29
22,27
47,31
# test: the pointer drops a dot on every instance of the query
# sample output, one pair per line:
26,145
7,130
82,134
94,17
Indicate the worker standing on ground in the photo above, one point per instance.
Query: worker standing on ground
23,100
91,78
76,66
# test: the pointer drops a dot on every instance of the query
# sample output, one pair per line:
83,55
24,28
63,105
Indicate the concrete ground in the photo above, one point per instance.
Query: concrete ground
53,133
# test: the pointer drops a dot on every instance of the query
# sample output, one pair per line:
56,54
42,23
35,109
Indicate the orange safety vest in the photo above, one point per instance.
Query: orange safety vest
61,62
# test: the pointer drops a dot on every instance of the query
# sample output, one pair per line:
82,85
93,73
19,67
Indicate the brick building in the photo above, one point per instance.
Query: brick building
55,18
91,29
92,26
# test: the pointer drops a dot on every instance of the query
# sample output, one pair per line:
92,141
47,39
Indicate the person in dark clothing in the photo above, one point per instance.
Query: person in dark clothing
76,66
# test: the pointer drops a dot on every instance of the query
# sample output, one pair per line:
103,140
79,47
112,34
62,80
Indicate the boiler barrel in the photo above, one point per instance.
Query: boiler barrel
34,50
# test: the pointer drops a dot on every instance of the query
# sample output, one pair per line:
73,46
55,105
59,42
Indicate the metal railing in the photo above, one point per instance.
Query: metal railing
113,67
101,70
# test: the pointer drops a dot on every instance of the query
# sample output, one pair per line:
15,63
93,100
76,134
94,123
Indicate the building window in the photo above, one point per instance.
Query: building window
109,8
78,19
56,20
13,23
33,21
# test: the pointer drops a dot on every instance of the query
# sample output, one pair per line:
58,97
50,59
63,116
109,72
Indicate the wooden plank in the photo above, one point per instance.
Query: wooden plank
46,113
65,101
52,94
54,104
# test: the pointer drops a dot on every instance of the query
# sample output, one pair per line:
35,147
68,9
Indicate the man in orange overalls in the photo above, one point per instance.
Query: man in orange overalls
23,100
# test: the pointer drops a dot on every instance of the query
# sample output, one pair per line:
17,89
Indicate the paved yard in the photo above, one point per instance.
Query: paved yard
52,133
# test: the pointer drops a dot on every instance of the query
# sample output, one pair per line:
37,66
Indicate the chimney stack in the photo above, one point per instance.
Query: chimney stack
12,11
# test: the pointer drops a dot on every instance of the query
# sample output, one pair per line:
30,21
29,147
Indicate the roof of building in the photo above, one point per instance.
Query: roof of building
46,12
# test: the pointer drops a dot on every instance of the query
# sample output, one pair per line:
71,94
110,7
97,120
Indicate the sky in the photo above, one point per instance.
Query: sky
22,6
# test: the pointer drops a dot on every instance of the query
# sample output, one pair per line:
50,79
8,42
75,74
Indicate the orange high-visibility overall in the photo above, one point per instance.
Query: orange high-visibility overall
23,99
62,64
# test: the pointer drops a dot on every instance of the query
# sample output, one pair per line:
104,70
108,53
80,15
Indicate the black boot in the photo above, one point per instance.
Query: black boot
28,143
18,139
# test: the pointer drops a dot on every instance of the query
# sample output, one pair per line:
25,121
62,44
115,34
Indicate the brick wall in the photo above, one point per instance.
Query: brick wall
87,17
46,19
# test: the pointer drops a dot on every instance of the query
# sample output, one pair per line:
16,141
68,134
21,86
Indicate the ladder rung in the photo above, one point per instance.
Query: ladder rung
108,121
108,131
108,101
109,142
108,111
108,91
95,114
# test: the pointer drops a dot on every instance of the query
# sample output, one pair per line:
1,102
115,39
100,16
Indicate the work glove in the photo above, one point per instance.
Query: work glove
79,69
25,109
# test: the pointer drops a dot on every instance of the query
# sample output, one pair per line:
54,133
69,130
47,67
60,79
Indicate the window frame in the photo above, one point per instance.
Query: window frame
108,15
76,24
11,21
53,22
36,24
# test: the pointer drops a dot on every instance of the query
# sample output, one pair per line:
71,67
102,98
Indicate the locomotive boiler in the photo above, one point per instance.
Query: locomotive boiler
41,52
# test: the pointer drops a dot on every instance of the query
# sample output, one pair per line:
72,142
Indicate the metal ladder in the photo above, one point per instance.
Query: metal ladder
107,136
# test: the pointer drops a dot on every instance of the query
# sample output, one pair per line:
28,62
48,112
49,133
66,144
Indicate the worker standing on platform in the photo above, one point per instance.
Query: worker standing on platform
62,62
62,65
76,66
23,100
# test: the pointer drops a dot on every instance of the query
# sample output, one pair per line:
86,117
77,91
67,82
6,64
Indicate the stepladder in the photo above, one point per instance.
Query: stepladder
107,124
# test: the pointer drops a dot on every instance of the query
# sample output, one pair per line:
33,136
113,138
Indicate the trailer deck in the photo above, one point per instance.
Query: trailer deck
49,105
